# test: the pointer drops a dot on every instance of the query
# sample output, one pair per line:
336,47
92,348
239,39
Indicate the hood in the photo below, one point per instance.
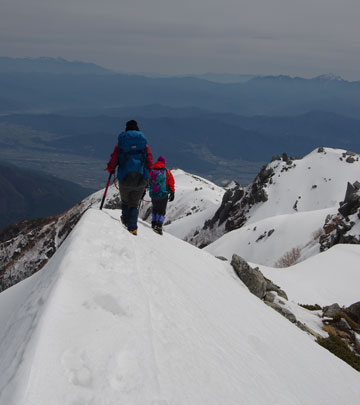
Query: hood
159,165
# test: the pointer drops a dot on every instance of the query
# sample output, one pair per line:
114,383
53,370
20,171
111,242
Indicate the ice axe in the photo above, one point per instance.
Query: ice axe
106,189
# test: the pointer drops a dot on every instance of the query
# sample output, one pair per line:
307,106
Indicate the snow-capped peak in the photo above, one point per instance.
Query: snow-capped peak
329,77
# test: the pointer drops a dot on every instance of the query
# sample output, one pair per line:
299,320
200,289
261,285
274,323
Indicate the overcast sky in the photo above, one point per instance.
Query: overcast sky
296,37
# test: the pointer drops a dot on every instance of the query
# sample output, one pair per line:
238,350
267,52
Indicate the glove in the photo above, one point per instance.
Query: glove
171,196
110,169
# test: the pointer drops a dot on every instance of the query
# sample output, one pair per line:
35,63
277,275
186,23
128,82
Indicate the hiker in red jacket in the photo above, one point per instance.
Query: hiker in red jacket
162,190
134,158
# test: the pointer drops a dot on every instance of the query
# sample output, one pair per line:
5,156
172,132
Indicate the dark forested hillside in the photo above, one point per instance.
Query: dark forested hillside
29,194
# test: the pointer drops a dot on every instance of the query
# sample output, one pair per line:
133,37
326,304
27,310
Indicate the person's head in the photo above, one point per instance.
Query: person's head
162,159
132,126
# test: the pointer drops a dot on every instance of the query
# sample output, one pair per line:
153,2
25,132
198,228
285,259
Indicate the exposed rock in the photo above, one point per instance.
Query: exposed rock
262,287
224,259
252,278
27,246
270,286
270,232
343,325
351,203
42,236
113,203
283,311
331,311
285,157
321,150
236,204
229,201
338,228
354,310
269,297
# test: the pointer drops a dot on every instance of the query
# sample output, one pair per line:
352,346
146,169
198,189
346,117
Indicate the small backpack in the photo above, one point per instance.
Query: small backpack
158,183
132,158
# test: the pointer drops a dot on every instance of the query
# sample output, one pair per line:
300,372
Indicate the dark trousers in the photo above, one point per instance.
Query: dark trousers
159,210
130,201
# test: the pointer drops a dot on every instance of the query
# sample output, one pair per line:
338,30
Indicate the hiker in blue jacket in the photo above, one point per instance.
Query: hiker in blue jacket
134,159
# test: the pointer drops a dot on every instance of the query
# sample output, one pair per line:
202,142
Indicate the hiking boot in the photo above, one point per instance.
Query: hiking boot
158,229
123,221
133,232
153,224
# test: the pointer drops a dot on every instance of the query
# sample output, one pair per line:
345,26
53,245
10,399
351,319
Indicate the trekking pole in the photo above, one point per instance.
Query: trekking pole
106,189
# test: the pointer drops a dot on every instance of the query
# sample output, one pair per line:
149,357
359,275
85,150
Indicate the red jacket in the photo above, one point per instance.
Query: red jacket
170,182
114,159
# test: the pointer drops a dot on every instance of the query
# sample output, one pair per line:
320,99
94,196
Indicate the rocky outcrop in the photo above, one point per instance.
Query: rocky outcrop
343,328
351,203
230,200
283,311
262,287
255,280
235,205
339,228
332,310
354,311
252,278
27,246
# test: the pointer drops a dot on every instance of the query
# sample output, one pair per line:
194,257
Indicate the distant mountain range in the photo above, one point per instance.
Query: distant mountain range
53,85
27,194
49,65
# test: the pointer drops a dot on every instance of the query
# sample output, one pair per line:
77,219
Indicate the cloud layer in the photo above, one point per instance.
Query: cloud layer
192,36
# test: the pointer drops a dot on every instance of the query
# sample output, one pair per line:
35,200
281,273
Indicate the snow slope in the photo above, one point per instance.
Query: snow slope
329,277
266,241
118,319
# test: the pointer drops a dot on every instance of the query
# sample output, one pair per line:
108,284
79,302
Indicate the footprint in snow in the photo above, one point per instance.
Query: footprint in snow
74,363
109,304
125,373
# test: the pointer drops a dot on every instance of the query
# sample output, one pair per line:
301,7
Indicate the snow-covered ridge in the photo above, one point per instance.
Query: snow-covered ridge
285,208
114,318
27,246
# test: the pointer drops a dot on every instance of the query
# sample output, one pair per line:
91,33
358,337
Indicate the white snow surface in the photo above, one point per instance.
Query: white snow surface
289,231
118,319
329,277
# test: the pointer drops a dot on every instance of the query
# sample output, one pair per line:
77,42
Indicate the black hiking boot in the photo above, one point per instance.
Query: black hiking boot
153,224
123,222
158,229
